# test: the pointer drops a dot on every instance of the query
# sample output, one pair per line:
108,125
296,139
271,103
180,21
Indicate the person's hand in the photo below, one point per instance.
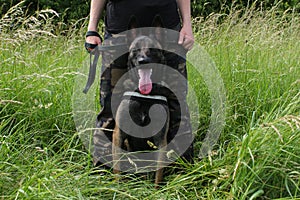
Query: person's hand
186,37
92,40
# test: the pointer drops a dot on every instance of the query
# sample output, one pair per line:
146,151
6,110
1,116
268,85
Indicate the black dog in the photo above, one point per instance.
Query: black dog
148,113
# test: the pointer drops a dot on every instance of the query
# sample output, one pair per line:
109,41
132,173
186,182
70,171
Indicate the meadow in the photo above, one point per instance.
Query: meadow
257,155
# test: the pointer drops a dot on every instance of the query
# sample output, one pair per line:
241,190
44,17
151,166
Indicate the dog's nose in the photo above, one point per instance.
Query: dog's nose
143,60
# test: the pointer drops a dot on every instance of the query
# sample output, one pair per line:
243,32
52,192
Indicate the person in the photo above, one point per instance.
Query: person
176,15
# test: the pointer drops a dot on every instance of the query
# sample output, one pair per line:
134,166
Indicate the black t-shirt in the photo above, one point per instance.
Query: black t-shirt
119,12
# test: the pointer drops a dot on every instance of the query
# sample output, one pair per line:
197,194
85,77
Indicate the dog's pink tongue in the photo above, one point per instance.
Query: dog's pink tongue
145,83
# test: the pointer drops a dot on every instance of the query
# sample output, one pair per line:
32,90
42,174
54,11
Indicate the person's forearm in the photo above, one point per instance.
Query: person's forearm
97,7
185,11
186,37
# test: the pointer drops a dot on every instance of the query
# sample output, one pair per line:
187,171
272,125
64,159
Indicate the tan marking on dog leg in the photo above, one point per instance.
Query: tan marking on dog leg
161,161
116,150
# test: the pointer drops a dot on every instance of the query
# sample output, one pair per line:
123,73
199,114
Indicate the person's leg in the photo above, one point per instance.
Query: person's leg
180,134
114,65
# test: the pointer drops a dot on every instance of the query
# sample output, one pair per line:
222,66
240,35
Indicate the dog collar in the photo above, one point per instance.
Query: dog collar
136,94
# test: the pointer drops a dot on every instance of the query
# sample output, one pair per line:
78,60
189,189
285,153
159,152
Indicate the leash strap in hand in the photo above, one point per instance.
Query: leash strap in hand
93,65
92,71
93,62
95,50
89,46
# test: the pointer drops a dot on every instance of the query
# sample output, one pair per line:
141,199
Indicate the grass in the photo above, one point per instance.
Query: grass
258,153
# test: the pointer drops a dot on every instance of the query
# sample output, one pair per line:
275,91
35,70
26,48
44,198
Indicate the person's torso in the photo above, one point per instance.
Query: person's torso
119,12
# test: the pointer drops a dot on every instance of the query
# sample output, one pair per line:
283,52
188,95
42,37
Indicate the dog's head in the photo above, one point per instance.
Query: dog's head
145,51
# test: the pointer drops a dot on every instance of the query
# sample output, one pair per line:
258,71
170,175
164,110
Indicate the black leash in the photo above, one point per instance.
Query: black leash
93,64
92,71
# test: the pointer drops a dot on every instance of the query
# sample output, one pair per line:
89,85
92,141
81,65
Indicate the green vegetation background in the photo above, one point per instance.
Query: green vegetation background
257,156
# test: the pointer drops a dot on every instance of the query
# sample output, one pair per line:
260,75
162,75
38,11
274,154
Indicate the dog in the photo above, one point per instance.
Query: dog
145,106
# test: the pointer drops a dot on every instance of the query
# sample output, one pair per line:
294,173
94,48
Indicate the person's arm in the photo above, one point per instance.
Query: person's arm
186,38
96,10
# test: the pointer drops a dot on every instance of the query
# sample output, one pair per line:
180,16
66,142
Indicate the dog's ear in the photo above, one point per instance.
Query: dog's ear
157,21
132,28
133,23
158,31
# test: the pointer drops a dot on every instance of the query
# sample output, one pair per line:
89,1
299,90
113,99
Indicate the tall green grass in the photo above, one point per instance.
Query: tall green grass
258,154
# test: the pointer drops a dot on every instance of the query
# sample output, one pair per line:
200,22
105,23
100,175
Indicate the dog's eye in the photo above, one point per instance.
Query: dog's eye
154,51
151,50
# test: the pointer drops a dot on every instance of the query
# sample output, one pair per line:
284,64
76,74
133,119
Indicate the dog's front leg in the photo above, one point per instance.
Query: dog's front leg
116,150
161,161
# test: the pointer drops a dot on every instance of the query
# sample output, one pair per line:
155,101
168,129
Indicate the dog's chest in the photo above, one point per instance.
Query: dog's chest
138,120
